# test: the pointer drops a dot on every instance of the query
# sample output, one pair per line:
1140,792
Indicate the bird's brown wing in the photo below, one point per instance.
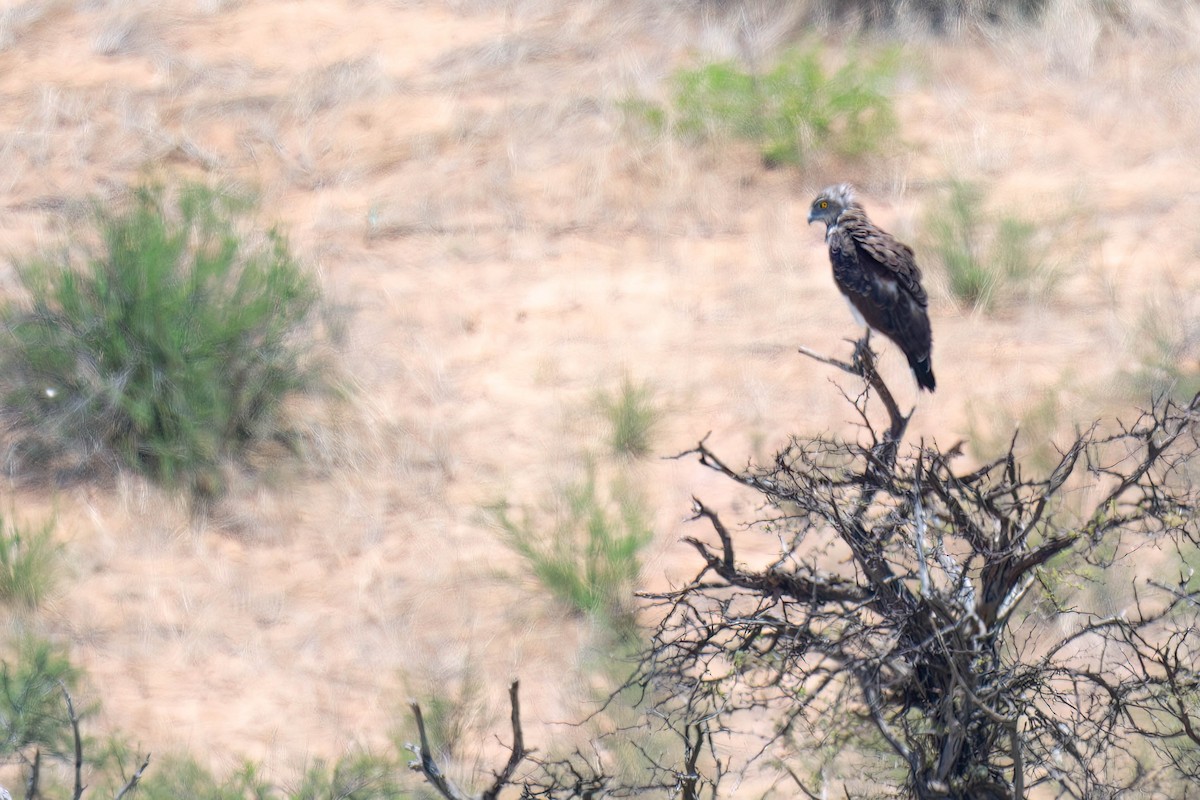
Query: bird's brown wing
886,251
881,280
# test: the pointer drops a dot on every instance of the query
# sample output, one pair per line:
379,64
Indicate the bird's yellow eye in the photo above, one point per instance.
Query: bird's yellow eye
824,204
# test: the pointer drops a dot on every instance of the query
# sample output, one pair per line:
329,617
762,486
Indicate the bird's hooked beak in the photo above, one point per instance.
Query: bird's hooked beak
811,217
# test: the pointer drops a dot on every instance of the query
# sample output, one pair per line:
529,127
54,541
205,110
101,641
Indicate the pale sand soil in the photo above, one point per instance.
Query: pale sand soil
465,182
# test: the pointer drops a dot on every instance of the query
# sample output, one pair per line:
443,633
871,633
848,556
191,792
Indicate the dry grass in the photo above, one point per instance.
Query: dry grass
465,181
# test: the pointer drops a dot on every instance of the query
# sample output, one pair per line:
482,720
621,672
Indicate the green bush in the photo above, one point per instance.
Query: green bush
800,107
33,712
167,346
589,555
632,417
984,259
29,561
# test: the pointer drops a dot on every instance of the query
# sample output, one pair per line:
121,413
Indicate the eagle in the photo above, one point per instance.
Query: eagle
879,277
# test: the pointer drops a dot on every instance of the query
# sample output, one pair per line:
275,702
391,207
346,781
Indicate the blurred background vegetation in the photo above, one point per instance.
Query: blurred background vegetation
173,339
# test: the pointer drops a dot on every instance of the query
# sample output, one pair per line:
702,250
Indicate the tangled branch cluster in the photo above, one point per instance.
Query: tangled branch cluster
927,607
937,616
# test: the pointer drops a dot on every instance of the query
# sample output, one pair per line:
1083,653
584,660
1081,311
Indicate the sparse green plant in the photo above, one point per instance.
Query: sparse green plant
954,230
1042,427
638,111
356,776
984,259
32,713
29,563
589,555
1168,349
167,346
800,107
452,707
632,417
179,776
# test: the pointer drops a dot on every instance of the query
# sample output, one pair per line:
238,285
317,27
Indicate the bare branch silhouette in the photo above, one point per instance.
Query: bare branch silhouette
79,787
134,779
917,601
436,778
885,599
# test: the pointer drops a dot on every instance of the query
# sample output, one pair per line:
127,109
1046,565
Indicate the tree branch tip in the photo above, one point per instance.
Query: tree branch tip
698,449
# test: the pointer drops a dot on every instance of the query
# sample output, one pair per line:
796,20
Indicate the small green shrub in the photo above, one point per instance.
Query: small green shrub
589,555
1044,426
645,115
800,107
450,706
167,346
180,776
29,563
358,776
33,712
954,231
632,417
984,259
1168,350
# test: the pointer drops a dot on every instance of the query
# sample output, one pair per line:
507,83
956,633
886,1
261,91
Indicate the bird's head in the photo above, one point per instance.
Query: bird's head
830,203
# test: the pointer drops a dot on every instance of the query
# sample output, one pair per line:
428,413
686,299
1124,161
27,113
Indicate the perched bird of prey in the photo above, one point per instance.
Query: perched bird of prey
879,277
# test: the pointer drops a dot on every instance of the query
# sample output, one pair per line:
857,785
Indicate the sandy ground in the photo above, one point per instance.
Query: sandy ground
505,244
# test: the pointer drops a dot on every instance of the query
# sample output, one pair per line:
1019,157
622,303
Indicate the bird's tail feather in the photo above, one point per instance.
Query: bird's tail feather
924,373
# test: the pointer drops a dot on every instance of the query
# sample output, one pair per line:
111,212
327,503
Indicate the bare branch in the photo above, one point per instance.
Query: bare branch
428,767
719,527
863,366
844,366
689,778
518,747
923,615
134,779
906,601
79,787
